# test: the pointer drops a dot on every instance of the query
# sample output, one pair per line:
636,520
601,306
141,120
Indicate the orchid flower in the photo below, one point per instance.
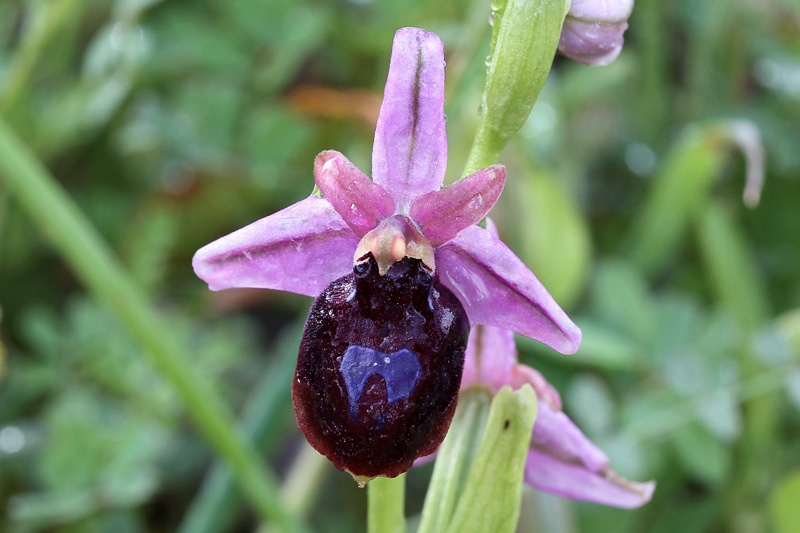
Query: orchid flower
593,30
561,459
399,221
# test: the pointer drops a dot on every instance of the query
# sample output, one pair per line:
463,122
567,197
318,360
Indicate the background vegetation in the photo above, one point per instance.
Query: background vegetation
172,123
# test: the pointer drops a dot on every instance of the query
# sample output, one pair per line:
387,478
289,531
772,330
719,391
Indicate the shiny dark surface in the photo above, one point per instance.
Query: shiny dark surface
393,323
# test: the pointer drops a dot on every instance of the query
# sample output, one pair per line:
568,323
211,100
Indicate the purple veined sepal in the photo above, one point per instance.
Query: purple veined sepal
560,459
409,156
497,289
300,249
564,462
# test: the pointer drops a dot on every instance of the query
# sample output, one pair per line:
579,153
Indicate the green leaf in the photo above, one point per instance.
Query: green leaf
681,187
265,415
704,456
556,242
86,252
493,494
783,504
789,325
453,459
730,267
602,347
593,406
621,298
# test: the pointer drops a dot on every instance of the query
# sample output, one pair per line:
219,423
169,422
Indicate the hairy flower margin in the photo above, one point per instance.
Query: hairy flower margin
403,211
593,30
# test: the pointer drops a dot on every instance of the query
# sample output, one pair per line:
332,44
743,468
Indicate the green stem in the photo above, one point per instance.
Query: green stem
93,262
525,35
385,510
218,504
486,148
303,481
651,26
740,290
44,27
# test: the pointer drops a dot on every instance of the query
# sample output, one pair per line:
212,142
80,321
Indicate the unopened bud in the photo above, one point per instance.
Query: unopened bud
593,30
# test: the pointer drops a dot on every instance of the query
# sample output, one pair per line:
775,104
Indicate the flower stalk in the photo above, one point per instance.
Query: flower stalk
525,37
93,262
386,505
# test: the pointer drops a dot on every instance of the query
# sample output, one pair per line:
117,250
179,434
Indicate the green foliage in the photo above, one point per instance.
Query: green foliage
783,504
172,123
556,244
477,479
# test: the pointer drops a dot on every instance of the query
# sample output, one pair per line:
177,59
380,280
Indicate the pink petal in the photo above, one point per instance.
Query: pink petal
360,202
593,30
444,213
606,11
490,356
409,156
563,461
425,459
301,249
497,289
592,43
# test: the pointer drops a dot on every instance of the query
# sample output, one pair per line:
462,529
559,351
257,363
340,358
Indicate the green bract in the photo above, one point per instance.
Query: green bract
524,42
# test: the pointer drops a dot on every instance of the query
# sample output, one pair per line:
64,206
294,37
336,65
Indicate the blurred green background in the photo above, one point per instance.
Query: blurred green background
172,123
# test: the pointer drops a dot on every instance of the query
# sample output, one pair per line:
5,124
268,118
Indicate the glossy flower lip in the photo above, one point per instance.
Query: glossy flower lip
593,32
402,211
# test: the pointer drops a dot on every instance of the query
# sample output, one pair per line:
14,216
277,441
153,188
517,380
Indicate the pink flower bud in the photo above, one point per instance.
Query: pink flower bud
593,30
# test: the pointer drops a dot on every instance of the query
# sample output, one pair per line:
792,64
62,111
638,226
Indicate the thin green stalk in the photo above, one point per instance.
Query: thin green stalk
55,14
740,290
486,148
524,39
386,505
216,507
303,481
93,262
650,23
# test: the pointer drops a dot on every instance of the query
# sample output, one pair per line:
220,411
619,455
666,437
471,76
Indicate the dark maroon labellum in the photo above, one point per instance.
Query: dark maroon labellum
379,368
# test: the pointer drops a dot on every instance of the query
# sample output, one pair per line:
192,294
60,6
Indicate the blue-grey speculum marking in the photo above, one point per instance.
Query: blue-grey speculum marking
400,370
